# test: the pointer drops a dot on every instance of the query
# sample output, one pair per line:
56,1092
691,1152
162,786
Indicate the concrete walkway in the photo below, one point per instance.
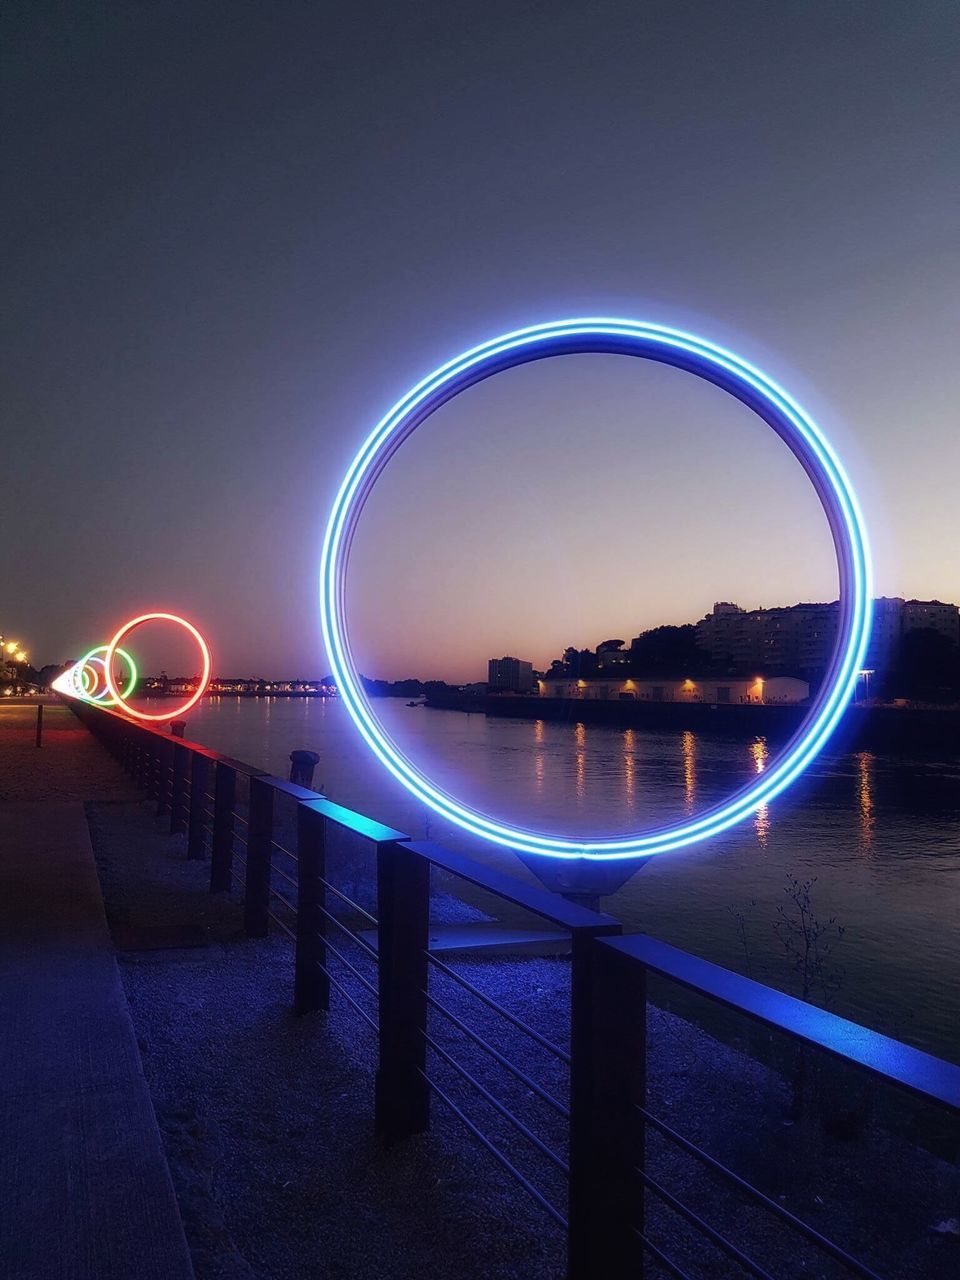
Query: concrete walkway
85,1192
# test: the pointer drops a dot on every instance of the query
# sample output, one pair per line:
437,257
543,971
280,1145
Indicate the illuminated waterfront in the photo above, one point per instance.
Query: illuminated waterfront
878,832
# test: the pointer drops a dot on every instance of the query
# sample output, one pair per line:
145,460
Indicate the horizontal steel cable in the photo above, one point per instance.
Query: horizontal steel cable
714,1236
498,1056
517,1022
361,978
667,1263
497,1154
498,1106
346,994
361,942
835,1251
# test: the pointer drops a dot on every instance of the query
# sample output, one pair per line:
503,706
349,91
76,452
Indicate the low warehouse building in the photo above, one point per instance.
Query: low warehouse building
715,690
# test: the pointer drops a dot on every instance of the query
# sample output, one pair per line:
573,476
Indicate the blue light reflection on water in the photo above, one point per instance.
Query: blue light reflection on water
880,833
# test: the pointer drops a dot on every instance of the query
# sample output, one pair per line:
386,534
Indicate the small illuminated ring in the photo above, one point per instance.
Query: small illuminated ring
85,670
75,678
85,681
704,360
88,682
114,647
91,678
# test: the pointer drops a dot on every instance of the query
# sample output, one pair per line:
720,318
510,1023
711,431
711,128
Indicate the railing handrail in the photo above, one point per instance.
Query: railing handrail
291,789
359,823
541,902
900,1064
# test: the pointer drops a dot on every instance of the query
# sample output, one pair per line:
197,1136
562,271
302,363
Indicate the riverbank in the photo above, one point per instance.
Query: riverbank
864,728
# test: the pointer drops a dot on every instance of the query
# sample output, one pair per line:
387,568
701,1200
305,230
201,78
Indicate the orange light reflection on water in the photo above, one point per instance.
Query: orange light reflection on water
865,766
688,745
761,819
629,765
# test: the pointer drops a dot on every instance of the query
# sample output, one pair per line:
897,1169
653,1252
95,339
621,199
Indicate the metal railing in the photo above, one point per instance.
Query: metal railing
586,1130
614,1125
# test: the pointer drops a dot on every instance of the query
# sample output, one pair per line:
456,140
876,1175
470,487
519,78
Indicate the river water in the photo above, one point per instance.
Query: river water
881,835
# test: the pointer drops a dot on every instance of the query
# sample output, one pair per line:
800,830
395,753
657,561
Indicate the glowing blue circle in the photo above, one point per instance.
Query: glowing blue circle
704,360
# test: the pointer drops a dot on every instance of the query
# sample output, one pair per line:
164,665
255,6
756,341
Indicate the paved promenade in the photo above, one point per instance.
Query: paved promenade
85,1193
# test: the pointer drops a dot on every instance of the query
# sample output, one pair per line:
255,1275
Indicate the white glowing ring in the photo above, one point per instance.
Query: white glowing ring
713,364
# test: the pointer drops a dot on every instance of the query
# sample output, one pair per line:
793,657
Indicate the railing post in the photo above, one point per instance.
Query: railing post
607,1083
138,763
221,847
149,746
199,775
256,899
403,895
164,752
178,788
311,986
145,777
39,724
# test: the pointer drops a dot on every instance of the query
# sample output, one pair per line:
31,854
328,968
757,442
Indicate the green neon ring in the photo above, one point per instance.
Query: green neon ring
101,699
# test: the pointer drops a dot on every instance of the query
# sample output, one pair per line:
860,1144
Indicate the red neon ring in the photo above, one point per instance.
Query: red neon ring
125,631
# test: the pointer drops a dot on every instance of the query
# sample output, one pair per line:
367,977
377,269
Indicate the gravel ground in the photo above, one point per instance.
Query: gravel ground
267,1118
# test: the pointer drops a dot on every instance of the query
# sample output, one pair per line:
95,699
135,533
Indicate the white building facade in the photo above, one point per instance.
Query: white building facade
713,690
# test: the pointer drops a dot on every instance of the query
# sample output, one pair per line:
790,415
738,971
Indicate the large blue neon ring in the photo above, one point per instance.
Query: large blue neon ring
683,351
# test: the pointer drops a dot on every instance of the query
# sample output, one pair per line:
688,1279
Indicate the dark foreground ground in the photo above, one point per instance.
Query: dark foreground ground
267,1118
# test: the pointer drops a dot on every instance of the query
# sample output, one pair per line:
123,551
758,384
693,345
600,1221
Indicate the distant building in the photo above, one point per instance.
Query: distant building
933,615
713,690
612,656
894,618
884,634
800,638
509,675
182,685
726,634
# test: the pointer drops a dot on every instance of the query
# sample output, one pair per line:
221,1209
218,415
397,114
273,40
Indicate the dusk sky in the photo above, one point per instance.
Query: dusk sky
234,234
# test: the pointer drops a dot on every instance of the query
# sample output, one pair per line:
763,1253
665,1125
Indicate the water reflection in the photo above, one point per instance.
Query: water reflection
761,819
539,765
580,745
688,746
866,763
629,766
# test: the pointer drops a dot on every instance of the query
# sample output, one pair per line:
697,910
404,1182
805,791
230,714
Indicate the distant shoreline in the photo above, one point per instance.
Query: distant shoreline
866,728
875,728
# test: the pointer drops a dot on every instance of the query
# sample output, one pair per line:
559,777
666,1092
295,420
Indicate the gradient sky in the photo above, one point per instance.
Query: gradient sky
233,234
